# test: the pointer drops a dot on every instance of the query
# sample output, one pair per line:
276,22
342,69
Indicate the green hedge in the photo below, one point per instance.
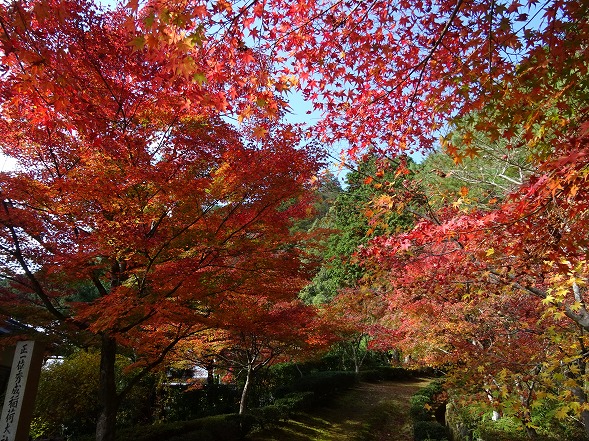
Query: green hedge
387,373
422,410
302,395
229,427
322,384
418,409
182,403
297,401
429,430
283,408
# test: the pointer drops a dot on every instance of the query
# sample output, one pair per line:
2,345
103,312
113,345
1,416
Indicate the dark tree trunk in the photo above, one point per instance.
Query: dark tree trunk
585,421
109,401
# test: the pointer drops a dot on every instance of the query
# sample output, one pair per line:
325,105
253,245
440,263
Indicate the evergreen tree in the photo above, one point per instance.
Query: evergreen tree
351,221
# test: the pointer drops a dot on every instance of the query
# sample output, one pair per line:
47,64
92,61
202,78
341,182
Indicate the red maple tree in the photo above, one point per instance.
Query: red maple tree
501,291
135,209
257,331
84,91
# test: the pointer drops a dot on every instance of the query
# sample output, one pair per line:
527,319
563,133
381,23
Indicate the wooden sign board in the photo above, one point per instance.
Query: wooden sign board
19,401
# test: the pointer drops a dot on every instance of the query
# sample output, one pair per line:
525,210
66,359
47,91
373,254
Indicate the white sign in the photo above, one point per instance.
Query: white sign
13,401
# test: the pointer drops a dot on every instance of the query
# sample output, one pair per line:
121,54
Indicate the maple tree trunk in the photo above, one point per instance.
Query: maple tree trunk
105,427
585,421
579,392
582,399
245,391
355,357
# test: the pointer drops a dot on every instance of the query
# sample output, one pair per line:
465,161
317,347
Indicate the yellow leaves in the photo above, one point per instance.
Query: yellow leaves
461,201
537,404
490,252
286,82
138,43
200,78
385,201
561,413
259,132
245,114
575,370
504,391
224,5
560,315
576,307
184,67
262,105
471,152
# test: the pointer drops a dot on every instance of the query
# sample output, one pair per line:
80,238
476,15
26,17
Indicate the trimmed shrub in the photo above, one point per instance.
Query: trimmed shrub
432,389
230,427
419,408
429,430
182,403
387,373
268,416
422,411
297,401
283,408
322,384
199,435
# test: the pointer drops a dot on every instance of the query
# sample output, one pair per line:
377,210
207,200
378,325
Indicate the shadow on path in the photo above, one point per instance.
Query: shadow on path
367,412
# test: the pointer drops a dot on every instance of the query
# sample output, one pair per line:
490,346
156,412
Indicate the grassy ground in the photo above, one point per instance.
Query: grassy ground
368,412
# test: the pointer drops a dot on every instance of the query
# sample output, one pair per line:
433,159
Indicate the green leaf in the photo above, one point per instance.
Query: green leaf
200,78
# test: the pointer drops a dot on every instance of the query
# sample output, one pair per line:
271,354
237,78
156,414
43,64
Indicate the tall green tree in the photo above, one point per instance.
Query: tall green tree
350,222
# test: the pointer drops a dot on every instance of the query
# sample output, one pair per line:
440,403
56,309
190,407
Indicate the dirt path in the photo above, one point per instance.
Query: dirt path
386,408
368,412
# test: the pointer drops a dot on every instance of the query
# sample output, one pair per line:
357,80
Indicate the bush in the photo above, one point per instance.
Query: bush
429,430
297,401
283,408
268,416
504,429
422,411
198,435
431,390
322,384
387,373
182,404
419,408
67,399
475,421
73,413
511,429
230,427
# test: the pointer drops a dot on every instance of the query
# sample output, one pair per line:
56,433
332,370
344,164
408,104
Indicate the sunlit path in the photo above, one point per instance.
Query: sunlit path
369,411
